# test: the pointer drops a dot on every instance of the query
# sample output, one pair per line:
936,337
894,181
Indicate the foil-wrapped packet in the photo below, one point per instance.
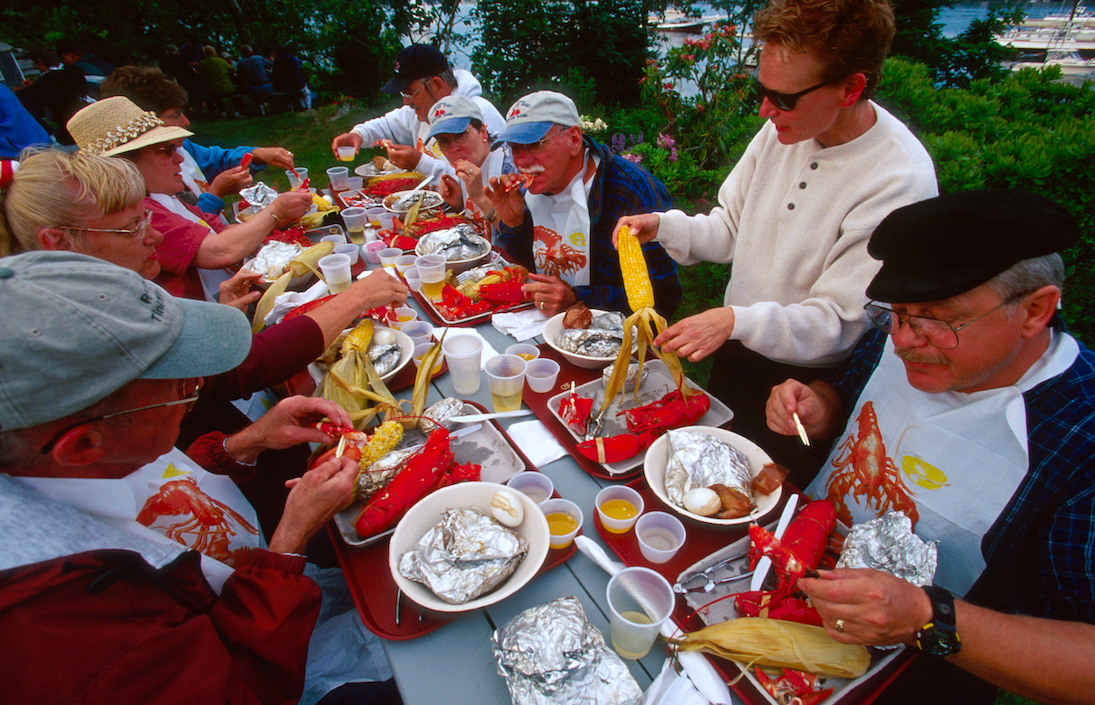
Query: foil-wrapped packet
456,244
379,473
630,381
699,460
889,544
384,357
272,259
467,555
441,415
551,655
594,342
609,320
259,196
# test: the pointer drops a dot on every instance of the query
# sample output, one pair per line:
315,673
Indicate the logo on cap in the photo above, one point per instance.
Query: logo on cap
397,67
439,112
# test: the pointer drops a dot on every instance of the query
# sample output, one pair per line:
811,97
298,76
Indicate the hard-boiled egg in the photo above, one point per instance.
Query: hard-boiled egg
506,508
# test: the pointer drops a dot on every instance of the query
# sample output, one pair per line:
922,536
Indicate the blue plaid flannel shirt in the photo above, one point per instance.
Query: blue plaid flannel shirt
620,188
1040,551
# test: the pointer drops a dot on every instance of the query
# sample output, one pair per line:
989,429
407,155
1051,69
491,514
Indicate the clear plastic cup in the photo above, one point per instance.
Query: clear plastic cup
339,176
350,250
639,602
432,270
385,221
541,374
464,353
354,218
404,262
388,256
403,316
423,348
372,251
618,508
526,352
355,183
346,154
374,213
660,536
564,519
535,485
336,272
418,331
506,379
335,240
296,176
413,279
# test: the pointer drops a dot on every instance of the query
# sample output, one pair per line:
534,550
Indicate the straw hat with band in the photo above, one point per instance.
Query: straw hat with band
115,125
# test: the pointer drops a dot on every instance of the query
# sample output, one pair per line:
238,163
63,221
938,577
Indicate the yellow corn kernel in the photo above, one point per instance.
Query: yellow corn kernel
640,292
386,436
359,338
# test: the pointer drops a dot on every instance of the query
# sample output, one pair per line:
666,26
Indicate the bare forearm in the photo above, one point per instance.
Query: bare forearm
1050,661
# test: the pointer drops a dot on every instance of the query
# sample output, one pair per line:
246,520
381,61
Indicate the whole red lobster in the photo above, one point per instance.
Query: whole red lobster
798,553
427,470
646,423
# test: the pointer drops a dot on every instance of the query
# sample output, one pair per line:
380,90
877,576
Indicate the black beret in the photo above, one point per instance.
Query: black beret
946,246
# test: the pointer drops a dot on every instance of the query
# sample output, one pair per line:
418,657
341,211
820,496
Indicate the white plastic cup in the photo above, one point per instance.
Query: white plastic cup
506,379
617,524
413,279
639,602
561,506
418,331
374,213
524,351
535,485
339,176
296,176
372,251
388,256
346,154
660,536
404,262
464,353
541,374
423,348
336,272
350,250
354,218
335,240
432,270
355,183
403,316
385,221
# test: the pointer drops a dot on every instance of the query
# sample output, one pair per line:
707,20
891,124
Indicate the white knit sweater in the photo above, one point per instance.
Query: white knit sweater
795,221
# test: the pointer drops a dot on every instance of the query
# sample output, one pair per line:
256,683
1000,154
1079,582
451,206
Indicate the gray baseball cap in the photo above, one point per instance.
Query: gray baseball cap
452,115
77,329
530,118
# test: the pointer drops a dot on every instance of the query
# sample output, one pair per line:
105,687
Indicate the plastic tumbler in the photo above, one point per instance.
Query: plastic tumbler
535,485
388,256
355,183
618,508
335,240
420,350
413,279
418,331
660,536
336,271
541,374
506,378
355,224
403,316
372,251
463,353
564,519
373,215
524,351
404,262
432,270
639,601
350,250
339,176
296,176
346,154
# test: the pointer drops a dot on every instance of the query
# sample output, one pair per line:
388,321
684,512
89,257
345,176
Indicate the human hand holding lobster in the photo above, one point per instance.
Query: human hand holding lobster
291,422
231,181
236,291
550,294
274,156
291,205
868,607
698,336
817,406
643,226
506,199
313,500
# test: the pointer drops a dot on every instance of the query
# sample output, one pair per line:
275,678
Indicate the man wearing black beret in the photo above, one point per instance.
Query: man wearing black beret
972,411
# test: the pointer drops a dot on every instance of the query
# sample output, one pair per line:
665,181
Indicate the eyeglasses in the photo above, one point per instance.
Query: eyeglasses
940,334
444,141
168,150
189,398
786,101
412,94
535,147
136,233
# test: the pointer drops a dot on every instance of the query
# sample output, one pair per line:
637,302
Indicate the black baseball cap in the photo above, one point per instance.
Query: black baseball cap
414,62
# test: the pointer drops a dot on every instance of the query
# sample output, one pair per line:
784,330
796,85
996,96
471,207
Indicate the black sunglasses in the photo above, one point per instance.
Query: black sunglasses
786,101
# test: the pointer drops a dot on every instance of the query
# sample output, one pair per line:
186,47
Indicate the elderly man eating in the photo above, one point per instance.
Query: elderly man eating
970,410
561,228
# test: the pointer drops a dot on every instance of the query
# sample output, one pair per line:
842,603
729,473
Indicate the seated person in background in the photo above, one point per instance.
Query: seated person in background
94,69
176,69
94,205
90,545
423,76
561,228
191,239
216,75
456,123
795,213
56,95
288,77
209,173
253,72
972,411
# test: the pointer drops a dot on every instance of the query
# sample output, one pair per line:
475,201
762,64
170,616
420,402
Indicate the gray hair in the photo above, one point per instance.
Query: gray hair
1028,275
448,77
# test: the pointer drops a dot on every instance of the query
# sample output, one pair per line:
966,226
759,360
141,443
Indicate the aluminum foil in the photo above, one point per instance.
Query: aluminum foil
889,544
609,320
699,460
440,414
272,259
632,376
377,476
467,555
429,199
384,357
456,244
590,341
551,655
259,196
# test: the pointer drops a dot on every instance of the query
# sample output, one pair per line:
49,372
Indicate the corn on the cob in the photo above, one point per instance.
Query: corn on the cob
308,260
322,203
359,338
640,292
386,436
774,642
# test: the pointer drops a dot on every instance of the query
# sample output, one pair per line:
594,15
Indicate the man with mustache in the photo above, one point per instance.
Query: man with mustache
561,227
980,427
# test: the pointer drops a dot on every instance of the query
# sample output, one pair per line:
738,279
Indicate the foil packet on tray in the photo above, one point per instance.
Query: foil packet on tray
467,555
551,655
258,196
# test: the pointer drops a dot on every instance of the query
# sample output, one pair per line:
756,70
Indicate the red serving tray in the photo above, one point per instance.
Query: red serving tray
703,540
374,589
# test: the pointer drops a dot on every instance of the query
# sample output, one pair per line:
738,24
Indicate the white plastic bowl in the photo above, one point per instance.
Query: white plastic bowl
458,265
552,329
657,457
430,202
427,513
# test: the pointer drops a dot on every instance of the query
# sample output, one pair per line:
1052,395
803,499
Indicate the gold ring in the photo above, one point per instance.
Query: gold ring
541,305
839,625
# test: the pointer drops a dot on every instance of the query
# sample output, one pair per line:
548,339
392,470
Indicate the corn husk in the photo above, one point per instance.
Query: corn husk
303,263
756,641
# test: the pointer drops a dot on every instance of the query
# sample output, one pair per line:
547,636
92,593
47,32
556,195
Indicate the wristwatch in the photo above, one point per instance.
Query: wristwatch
939,637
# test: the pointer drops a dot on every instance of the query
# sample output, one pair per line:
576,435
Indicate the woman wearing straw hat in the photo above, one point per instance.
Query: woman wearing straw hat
117,127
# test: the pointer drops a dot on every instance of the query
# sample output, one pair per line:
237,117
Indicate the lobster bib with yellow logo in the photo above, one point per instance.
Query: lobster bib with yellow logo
950,461
561,232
